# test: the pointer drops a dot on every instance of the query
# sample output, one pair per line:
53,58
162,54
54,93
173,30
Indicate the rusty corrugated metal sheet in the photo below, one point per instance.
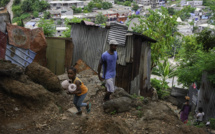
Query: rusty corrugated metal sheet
81,66
19,56
19,36
39,45
3,43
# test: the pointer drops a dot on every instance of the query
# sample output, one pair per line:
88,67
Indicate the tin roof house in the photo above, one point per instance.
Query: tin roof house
134,51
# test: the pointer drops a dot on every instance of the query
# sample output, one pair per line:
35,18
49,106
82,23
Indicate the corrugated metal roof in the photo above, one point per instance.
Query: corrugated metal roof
117,32
143,36
19,56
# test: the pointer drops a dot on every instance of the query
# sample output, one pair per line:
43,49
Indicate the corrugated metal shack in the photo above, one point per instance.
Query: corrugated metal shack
59,54
206,97
133,66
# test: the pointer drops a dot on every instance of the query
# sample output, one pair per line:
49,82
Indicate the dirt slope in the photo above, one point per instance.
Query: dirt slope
19,117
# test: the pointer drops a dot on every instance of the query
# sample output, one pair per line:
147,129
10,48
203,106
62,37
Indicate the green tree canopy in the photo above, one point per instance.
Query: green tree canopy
100,19
48,27
4,3
161,27
135,7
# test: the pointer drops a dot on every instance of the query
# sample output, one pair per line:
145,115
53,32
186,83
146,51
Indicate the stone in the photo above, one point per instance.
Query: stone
44,77
92,91
154,95
121,104
120,92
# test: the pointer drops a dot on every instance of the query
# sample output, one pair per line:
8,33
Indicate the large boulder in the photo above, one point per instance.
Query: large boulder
92,91
28,90
10,70
43,76
121,104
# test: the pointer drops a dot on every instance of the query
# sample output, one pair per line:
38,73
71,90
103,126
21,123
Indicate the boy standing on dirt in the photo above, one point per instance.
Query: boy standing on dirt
80,93
200,116
108,62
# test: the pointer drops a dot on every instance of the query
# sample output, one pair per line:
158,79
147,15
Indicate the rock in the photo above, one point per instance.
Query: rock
27,91
154,95
120,92
43,76
10,70
173,100
121,104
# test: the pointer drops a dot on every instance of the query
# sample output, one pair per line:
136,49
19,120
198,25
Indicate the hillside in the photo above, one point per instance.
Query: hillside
52,112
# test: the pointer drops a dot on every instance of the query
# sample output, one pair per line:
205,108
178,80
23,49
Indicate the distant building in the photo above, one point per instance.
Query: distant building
31,25
66,5
185,29
59,31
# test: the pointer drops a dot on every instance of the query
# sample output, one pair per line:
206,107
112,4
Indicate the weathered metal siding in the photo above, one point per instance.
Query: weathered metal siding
19,56
206,98
3,43
55,55
4,17
88,43
118,32
19,36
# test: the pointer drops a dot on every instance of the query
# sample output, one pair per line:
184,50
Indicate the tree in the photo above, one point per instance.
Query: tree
106,5
48,27
161,27
90,6
26,6
171,11
36,14
4,3
17,10
16,2
100,19
135,7
127,3
164,70
76,10
46,15
98,5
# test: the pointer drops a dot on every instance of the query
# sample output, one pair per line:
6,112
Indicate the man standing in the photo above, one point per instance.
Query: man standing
108,62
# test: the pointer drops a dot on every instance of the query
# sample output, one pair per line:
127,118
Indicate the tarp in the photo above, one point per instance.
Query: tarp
19,36
3,43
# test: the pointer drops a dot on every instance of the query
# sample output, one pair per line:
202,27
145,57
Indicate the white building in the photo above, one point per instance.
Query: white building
59,31
66,5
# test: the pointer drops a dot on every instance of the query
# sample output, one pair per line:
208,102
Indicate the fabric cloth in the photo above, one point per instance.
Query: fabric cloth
110,85
84,89
200,116
78,101
185,112
109,64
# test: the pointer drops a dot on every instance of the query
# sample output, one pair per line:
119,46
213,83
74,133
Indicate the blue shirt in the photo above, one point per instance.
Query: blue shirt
109,64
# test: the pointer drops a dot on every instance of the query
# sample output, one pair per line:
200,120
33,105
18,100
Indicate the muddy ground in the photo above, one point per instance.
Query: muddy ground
20,117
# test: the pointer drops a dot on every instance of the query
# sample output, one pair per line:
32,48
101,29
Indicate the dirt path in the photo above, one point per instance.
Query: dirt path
9,9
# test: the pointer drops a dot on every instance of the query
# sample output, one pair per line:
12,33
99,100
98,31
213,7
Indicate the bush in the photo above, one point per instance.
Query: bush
36,14
17,11
4,3
25,15
212,123
158,86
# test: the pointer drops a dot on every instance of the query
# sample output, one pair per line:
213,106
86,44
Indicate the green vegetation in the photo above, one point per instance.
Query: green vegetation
113,112
100,18
28,7
4,3
135,7
185,12
48,26
212,123
96,4
161,88
161,27
67,33
196,56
